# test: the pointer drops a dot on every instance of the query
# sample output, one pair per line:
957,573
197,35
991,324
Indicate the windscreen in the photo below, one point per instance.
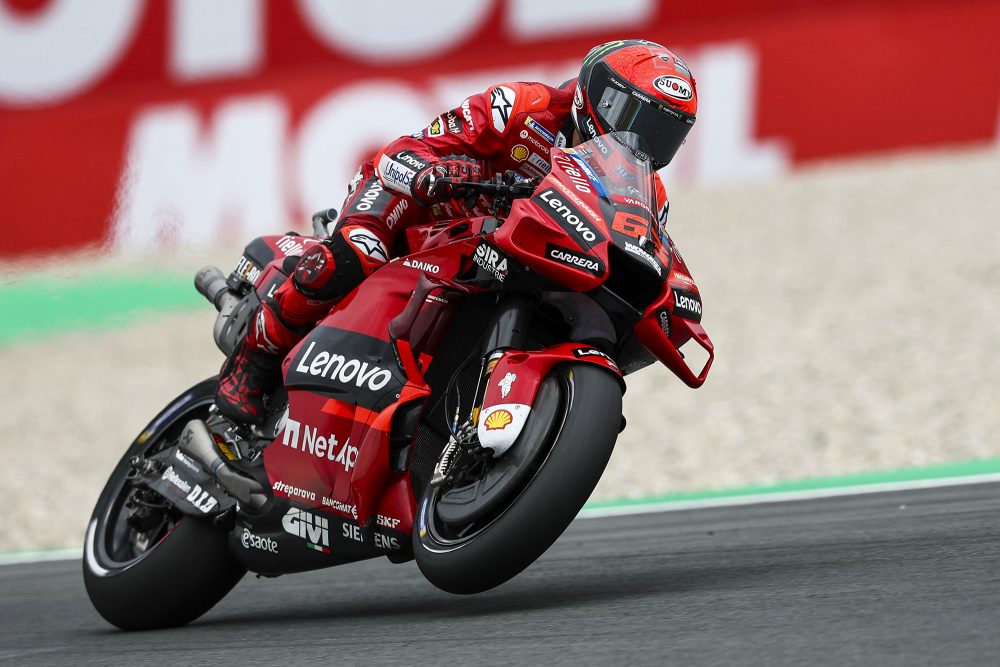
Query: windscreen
620,176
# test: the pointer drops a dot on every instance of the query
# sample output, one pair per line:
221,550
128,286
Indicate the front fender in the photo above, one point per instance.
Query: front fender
513,386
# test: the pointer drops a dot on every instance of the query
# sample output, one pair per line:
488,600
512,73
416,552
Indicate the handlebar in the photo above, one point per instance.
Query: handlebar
496,188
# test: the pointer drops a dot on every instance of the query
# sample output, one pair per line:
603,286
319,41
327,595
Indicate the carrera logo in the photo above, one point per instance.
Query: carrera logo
501,103
499,420
674,86
568,217
664,318
313,529
321,447
574,259
492,260
422,266
687,305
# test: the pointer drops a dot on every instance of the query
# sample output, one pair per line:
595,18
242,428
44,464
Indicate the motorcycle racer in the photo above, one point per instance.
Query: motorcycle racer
631,86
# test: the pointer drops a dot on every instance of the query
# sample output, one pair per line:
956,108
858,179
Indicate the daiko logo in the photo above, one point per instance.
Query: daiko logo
322,447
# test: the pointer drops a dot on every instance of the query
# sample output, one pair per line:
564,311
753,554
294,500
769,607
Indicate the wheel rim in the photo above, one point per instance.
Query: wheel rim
441,538
112,544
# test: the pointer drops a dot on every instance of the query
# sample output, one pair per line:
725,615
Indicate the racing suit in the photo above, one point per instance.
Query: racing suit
511,126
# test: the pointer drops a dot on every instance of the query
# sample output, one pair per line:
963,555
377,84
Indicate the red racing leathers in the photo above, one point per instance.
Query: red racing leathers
511,126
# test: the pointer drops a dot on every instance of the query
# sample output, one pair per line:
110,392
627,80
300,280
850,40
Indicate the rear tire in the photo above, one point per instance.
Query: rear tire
171,574
583,435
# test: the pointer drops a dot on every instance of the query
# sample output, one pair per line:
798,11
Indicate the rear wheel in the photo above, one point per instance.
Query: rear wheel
560,456
145,565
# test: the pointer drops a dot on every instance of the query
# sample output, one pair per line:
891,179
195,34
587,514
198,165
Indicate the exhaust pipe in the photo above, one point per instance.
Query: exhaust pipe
197,443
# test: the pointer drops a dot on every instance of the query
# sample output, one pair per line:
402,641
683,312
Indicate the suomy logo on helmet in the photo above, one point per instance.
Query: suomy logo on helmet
674,86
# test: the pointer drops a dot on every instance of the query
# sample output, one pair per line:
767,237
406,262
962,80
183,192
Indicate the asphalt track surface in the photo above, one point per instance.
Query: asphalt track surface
910,578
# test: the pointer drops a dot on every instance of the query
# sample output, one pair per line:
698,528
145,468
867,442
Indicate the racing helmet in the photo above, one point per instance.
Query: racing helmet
637,87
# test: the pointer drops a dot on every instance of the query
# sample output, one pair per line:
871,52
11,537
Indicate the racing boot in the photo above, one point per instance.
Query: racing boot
253,369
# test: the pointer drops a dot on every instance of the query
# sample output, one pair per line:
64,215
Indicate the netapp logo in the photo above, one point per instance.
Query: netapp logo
322,447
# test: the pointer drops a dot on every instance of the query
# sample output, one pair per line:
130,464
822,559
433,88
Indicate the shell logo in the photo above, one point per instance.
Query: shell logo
519,152
499,420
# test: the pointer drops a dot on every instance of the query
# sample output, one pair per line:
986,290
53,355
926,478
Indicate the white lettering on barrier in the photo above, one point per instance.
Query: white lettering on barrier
186,183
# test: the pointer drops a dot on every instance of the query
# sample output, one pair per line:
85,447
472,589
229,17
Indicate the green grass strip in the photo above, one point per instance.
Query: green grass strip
964,469
45,305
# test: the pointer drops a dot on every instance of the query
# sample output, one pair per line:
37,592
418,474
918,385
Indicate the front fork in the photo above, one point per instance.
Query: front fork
508,329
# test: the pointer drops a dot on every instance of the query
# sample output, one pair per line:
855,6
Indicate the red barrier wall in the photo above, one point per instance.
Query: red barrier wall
783,82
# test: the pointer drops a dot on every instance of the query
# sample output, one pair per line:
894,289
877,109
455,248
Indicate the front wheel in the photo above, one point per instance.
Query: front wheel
145,565
571,433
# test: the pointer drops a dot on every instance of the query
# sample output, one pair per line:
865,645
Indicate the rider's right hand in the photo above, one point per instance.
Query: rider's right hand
429,188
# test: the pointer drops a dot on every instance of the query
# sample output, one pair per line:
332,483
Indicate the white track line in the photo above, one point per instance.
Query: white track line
19,557
785,496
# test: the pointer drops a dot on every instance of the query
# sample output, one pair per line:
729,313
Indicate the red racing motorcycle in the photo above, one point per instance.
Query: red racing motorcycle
457,408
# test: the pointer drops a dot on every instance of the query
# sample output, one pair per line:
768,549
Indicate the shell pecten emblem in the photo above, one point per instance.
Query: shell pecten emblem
499,420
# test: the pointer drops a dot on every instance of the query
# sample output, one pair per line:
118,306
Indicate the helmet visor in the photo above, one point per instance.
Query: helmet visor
660,129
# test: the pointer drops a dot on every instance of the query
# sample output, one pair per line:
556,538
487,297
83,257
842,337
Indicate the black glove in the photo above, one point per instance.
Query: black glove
428,188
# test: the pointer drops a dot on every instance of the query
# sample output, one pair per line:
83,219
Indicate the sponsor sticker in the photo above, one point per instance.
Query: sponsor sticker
501,104
368,244
582,352
467,114
453,122
506,383
290,245
663,316
575,259
639,252
492,260
519,152
315,530
247,271
293,491
307,439
421,266
568,216
539,129
687,304
396,175
365,202
578,96
251,541
674,86
498,420
436,128
539,163
346,508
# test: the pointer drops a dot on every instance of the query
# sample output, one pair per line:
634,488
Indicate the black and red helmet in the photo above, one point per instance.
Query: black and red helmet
638,87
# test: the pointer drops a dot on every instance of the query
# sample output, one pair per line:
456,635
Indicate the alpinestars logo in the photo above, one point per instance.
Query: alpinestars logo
315,530
501,103
321,447
368,244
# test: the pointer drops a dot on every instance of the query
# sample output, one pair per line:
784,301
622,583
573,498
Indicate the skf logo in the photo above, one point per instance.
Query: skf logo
313,529
499,420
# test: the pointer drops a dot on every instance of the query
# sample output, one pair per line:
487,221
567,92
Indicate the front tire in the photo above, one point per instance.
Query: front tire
173,569
582,427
